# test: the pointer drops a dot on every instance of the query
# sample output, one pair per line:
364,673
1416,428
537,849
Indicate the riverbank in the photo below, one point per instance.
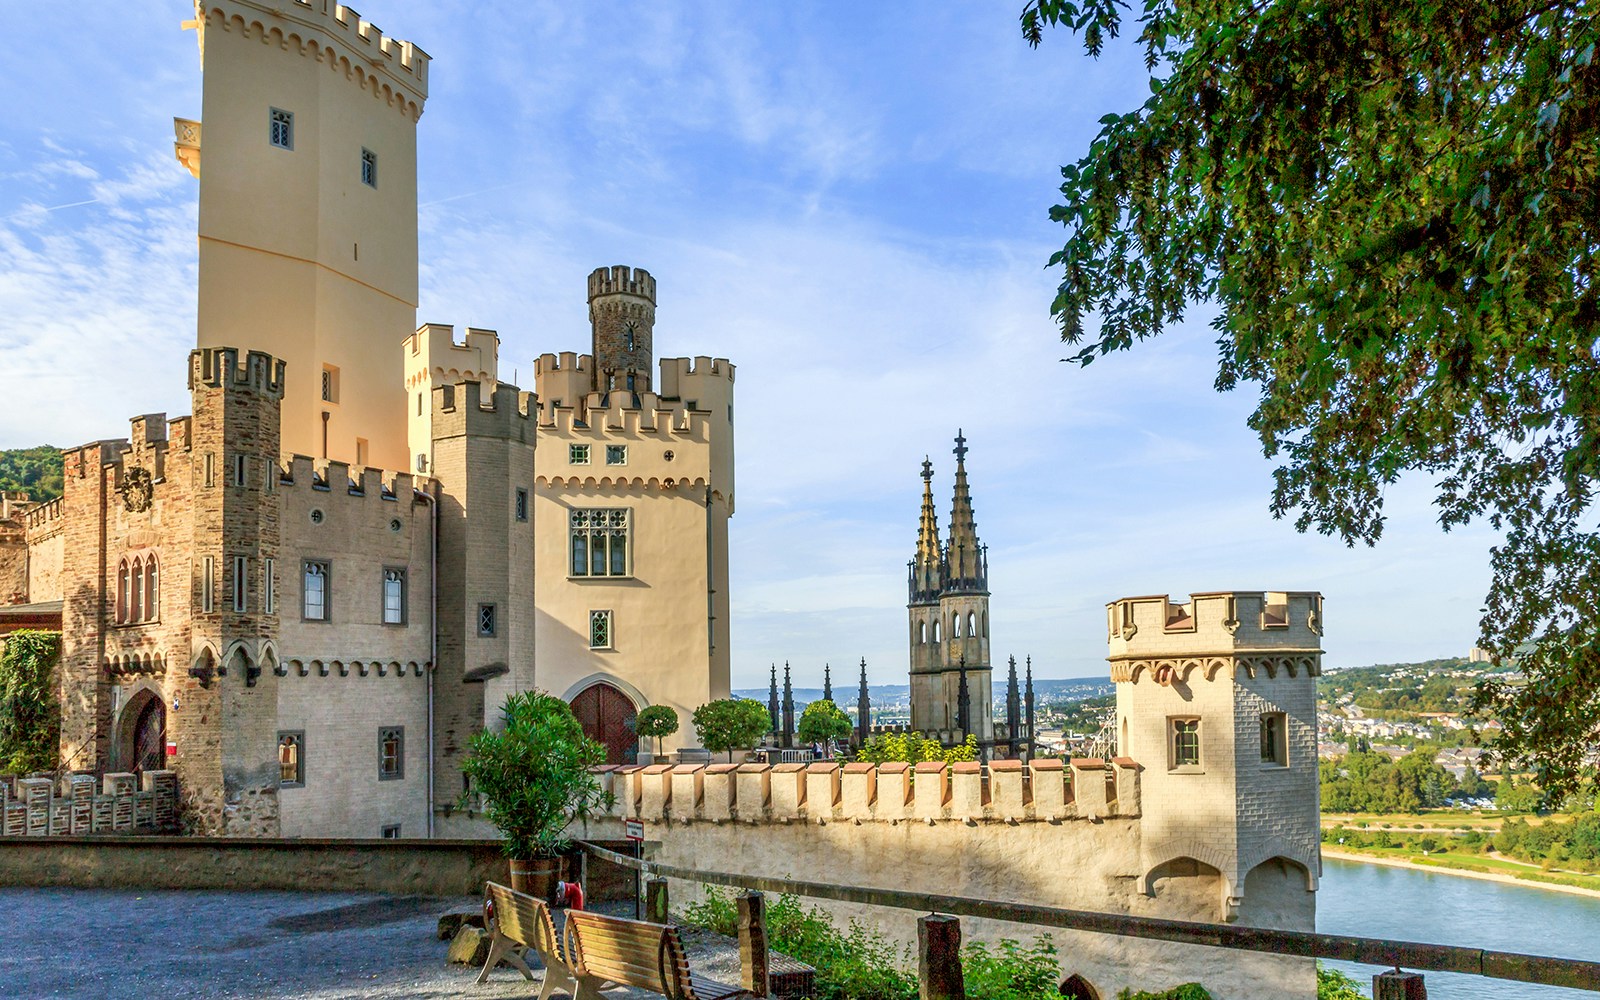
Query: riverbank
1447,869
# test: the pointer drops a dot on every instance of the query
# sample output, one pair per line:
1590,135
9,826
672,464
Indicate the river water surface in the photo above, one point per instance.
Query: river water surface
1408,905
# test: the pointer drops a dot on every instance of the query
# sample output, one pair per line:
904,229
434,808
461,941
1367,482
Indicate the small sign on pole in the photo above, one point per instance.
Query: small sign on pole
633,829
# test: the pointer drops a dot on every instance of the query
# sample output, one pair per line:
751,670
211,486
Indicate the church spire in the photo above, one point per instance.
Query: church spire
966,561
925,571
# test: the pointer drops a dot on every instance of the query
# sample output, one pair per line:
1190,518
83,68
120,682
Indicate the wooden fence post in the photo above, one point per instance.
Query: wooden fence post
939,958
655,901
754,963
1397,985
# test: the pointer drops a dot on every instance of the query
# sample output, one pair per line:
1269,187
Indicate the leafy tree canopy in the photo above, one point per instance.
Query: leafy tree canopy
30,715
1393,207
34,471
730,724
822,721
658,721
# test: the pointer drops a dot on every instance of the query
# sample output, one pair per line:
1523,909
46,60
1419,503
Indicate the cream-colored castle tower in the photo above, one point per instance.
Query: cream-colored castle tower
1217,700
951,675
634,488
308,212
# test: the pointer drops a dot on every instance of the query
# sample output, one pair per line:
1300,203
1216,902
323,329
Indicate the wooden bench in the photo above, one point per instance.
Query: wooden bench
602,950
517,922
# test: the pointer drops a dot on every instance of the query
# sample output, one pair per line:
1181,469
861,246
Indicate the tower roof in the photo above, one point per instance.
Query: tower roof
966,564
926,572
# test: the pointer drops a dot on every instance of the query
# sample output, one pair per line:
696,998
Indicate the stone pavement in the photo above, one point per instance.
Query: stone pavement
177,945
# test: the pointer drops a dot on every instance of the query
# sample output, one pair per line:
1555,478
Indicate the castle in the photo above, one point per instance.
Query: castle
306,596
297,603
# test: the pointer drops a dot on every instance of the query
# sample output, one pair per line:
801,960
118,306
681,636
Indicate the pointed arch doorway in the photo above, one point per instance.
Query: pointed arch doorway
145,738
607,717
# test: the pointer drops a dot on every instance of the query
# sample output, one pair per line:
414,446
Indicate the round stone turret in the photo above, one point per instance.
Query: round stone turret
622,314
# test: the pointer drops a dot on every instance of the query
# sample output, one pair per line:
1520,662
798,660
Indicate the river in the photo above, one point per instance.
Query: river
1408,905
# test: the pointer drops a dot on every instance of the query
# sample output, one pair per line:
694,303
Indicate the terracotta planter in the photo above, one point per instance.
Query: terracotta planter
536,876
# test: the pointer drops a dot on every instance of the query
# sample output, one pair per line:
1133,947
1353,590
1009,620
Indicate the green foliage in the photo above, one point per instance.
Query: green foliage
1393,207
30,716
34,471
658,721
730,724
822,721
1188,991
1513,796
1335,985
535,774
1572,844
913,748
859,963
1371,782
1010,970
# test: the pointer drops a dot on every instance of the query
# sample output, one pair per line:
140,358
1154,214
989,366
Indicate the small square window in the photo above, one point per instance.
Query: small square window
292,759
391,753
486,621
578,454
282,128
616,454
600,630
1274,739
390,832
369,168
1185,743
522,505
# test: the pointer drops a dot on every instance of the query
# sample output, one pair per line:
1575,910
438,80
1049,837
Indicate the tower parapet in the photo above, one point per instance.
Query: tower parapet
221,368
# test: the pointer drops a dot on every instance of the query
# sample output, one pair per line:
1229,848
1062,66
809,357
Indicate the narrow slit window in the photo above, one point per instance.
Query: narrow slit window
600,636
314,592
369,168
394,597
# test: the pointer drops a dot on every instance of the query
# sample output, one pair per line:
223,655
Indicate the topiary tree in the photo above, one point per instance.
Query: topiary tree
535,773
658,721
730,724
823,721
30,716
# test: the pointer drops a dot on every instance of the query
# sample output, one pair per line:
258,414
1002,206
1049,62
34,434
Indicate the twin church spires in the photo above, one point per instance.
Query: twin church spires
949,615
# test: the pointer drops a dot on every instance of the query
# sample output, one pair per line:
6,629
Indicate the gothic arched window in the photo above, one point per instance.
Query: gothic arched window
122,592
152,590
136,592
972,623
922,632
936,637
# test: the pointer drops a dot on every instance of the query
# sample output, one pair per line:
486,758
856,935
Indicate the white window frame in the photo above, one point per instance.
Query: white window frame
369,167
606,525
280,128
578,454
323,569
603,627
1174,753
394,580
616,454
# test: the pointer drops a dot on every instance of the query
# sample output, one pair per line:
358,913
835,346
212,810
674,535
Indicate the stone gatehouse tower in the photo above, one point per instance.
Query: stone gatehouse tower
951,675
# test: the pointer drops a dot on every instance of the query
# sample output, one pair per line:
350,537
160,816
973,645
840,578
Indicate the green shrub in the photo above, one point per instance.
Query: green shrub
1335,985
1188,991
30,717
1011,971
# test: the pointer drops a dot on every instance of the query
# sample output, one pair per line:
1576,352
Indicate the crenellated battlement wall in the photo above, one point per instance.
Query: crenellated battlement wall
222,368
1007,791
1269,631
622,280
433,354
82,803
394,68
462,410
344,479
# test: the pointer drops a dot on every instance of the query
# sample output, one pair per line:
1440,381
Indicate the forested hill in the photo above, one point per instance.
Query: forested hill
34,471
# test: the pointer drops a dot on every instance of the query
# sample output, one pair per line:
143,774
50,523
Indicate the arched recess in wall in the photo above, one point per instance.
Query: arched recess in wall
972,623
936,635
922,632
1078,988
141,731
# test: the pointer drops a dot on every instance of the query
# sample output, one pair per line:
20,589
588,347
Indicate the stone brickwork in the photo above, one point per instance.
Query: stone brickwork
622,317
82,804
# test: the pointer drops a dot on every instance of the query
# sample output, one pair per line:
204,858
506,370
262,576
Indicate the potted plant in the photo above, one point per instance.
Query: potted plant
731,724
534,775
823,722
658,721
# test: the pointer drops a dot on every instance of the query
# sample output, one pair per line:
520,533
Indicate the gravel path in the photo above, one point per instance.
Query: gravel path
174,945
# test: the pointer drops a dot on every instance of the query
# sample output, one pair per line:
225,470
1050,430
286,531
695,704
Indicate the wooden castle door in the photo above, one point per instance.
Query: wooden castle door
607,717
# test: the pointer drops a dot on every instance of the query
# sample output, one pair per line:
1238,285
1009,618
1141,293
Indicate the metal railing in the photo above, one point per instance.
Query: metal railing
1540,969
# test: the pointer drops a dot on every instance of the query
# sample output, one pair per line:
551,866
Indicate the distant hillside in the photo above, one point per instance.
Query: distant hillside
1055,690
34,471
1398,690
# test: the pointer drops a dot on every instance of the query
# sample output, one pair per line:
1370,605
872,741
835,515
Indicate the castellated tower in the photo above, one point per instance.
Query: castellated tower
622,316
1216,699
229,767
308,212
951,675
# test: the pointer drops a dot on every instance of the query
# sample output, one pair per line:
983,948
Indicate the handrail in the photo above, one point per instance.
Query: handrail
1544,970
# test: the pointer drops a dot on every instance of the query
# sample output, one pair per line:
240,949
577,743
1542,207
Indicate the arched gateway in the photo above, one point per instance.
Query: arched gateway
607,716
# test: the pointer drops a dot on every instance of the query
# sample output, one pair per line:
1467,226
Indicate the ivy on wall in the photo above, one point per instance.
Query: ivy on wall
30,716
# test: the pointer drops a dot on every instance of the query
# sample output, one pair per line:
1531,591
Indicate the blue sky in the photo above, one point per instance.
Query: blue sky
847,201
